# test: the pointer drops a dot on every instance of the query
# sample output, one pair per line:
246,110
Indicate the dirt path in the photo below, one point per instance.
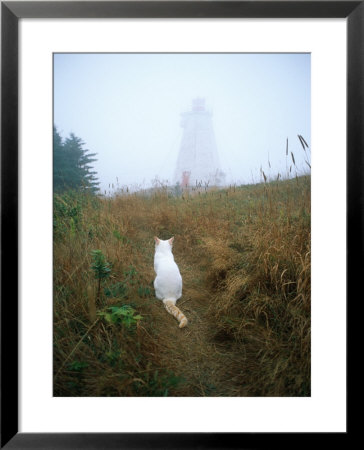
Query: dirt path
193,352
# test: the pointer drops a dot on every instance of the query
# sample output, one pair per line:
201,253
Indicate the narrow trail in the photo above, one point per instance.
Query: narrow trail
193,352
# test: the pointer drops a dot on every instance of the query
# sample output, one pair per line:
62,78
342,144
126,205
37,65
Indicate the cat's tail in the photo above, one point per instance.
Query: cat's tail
176,312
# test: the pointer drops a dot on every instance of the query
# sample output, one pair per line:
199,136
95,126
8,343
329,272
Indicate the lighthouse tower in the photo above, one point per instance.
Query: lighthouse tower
198,160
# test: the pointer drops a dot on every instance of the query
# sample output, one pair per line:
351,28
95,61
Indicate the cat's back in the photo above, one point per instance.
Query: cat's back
168,282
164,262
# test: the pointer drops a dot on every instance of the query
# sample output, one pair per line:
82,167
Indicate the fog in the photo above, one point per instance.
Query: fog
127,109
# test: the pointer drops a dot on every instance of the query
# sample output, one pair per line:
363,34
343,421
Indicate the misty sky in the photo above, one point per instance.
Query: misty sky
126,108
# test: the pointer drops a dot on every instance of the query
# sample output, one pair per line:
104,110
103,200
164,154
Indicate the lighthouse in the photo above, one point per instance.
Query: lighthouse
198,161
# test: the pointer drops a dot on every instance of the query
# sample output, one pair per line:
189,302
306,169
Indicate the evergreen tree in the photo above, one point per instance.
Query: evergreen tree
58,161
72,164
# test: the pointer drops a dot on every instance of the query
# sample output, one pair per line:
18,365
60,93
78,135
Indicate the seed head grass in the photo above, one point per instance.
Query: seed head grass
244,256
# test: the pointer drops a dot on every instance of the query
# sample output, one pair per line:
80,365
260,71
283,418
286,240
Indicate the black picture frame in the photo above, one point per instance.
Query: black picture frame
11,12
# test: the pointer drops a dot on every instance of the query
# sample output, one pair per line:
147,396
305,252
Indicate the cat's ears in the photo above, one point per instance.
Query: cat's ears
157,240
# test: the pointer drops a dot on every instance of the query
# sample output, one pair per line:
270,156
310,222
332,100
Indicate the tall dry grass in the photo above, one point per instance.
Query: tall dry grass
244,255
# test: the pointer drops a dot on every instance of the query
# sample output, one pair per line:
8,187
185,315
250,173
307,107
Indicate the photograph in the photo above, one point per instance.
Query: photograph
181,224
166,247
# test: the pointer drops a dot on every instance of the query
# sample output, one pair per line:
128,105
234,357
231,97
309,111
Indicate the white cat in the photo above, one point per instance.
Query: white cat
168,282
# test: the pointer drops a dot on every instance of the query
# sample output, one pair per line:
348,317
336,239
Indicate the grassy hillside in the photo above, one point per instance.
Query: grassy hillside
244,255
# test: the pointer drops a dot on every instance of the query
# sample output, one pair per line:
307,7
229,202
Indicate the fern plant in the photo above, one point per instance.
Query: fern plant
101,268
